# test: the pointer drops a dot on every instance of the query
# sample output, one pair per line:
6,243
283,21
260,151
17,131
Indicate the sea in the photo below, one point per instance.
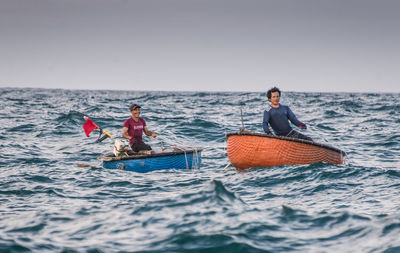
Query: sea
50,204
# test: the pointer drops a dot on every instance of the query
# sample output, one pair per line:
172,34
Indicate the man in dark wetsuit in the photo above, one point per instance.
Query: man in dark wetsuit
278,117
133,130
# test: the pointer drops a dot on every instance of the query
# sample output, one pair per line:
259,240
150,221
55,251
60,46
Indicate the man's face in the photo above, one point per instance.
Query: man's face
136,113
275,98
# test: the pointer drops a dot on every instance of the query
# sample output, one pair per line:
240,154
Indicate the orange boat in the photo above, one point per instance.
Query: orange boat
248,149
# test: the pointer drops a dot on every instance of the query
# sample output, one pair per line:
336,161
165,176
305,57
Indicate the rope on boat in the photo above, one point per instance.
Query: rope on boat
184,151
195,159
229,163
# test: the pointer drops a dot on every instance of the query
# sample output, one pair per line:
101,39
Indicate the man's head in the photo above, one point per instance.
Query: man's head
134,107
274,96
135,111
270,91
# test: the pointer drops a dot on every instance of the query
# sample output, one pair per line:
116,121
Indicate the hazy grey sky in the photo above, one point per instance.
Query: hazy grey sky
202,45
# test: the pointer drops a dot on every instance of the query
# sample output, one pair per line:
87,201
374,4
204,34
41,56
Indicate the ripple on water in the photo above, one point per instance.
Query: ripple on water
50,204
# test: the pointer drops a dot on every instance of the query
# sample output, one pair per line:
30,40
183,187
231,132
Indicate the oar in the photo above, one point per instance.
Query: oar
162,140
314,129
82,165
241,116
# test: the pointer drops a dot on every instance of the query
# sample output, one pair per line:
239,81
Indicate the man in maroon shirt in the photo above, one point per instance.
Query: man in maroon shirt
133,130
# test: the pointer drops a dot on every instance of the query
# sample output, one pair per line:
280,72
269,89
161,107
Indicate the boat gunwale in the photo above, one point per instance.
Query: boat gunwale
248,133
110,157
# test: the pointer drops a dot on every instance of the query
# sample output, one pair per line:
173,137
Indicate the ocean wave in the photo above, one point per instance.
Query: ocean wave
48,203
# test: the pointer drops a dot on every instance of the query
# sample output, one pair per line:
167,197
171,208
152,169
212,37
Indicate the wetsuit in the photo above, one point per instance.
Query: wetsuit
278,119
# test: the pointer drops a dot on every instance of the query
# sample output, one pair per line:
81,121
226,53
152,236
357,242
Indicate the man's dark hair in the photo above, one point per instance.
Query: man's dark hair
273,90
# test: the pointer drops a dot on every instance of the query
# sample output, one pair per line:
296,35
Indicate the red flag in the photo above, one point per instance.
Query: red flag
89,126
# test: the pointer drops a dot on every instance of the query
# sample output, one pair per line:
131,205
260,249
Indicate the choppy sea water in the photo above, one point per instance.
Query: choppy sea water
49,204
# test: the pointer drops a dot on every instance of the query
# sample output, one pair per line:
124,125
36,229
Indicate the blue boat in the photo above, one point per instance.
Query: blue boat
172,158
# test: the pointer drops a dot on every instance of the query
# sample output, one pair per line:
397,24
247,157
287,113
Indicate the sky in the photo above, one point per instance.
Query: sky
201,45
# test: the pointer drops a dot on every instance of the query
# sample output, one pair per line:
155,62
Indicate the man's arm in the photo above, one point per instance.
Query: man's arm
125,133
266,122
294,119
149,133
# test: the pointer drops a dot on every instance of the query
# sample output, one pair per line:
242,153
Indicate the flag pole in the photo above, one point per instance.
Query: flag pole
89,126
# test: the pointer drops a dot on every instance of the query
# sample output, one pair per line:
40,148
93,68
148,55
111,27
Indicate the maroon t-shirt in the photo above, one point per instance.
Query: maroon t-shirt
135,129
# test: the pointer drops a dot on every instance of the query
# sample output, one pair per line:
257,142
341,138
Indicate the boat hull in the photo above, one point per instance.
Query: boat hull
187,159
248,150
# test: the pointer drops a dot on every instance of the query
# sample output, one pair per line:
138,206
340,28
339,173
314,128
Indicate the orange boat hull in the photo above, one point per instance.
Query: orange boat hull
248,150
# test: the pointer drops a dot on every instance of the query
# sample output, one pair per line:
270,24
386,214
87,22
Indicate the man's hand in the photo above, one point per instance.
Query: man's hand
303,126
